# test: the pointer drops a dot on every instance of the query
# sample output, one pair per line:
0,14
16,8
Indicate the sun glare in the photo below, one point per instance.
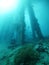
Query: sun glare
8,5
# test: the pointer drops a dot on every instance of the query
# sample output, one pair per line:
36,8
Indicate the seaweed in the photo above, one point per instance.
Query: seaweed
23,55
26,55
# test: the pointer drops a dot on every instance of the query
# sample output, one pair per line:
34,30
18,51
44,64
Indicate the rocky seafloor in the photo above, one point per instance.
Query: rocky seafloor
28,54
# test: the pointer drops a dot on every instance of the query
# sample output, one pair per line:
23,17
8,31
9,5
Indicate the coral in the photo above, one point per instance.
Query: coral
26,55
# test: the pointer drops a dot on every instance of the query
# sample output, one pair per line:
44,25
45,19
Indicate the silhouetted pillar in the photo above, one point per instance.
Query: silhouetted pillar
34,23
21,27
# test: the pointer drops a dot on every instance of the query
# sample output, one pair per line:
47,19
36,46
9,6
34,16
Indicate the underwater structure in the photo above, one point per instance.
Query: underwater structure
34,23
33,20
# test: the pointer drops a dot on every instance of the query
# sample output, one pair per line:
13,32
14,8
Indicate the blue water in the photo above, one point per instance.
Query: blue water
11,24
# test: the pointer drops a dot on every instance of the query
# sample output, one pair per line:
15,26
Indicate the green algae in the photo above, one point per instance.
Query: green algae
24,55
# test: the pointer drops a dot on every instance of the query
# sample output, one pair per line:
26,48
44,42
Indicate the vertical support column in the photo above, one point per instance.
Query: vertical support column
34,23
21,28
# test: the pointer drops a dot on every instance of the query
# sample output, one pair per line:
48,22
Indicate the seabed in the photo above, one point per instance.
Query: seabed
27,54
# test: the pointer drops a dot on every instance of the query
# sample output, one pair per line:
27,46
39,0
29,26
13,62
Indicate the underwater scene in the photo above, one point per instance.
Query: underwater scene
24,32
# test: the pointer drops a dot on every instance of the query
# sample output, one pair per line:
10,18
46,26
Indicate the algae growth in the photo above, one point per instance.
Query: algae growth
25,55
